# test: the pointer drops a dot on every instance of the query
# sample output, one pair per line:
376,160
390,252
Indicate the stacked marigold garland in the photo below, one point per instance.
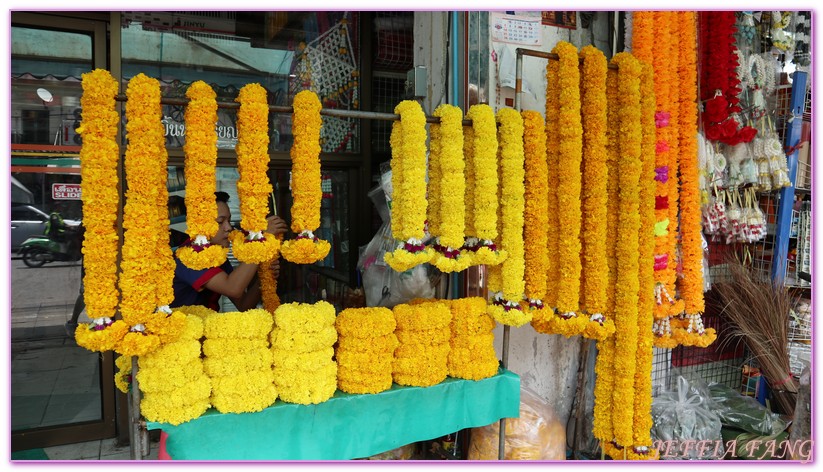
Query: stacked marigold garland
303,347
471,353
306,248
409,204
175,387
98,171
365,349
252,245
423,333
201,158
238,361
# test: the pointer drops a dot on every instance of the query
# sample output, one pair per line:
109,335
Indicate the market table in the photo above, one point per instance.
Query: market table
346,426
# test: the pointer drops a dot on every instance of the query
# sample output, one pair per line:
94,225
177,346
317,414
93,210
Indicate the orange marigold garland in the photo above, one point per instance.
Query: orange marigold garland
506,307
201,159
535,215
306,248
594,194
98,170
691,285
409,189
252,245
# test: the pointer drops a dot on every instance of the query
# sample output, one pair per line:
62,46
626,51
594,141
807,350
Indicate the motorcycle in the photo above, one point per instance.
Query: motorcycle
37,250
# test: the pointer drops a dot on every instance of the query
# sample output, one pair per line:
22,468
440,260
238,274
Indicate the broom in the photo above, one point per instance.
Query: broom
759,314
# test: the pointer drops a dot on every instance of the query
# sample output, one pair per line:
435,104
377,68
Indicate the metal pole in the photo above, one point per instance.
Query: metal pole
518,81
549,55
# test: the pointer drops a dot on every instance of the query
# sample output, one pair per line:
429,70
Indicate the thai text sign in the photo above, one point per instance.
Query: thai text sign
65,191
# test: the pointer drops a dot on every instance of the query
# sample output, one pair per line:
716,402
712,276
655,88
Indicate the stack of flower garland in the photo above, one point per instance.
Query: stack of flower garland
303,348
98,169
252,245
365,349
174,385
472,354
306,248
409,204
446,207
481,187
423,332
238,361
506,280
200,164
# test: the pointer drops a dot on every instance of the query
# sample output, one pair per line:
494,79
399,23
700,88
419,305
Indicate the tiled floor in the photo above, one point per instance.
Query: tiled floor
104,450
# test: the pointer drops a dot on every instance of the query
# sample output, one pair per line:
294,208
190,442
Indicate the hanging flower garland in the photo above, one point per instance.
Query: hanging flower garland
673,141
200,162
468,199
434,177
535,214
602,427
626,296
506,307
691,285
642,423
98,171
409,195
252,245
483,201
594,194
306,248
449,177
552,146
268,285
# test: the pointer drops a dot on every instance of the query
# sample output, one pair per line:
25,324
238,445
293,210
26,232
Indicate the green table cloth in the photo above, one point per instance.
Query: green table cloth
346,426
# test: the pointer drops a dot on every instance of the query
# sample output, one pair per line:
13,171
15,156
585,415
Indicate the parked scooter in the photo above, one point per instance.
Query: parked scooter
40,249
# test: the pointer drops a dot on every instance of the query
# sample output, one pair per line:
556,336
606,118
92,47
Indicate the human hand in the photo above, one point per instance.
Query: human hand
276,225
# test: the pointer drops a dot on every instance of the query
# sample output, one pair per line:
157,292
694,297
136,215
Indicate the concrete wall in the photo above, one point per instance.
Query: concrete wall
546,364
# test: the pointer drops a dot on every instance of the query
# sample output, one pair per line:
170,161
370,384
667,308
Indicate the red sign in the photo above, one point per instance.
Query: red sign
65,191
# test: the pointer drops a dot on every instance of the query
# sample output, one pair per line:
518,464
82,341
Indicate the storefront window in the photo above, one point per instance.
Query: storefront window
285,52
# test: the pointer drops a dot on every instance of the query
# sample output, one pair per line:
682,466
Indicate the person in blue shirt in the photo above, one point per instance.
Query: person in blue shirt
240,284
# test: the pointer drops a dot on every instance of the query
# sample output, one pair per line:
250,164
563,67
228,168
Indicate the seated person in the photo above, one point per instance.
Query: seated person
240,284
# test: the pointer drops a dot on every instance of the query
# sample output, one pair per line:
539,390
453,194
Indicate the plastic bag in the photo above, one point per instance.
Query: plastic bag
742,412
685,415
536,435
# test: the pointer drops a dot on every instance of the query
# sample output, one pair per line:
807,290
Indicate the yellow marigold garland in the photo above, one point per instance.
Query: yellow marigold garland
468,199
268,283
449,183
365,322
627,288
434,176
200,162
122,378
409,197
506,307
98,170
251,324
299,341
484,203
645,313
569,181
535,214
253,187
594,194
305,317
431,315
306,248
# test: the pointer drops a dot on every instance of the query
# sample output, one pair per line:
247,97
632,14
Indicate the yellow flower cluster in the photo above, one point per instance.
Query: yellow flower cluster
306,248
506,307
252,148
645,309
268,284
197,310
535,213
446,202
305,373
98,170
200,162
482,202
552,162
365,349
629,168
569,180
623,453
409,204
602,427
122,378
238,360
471,354
468,198
172,379
414,365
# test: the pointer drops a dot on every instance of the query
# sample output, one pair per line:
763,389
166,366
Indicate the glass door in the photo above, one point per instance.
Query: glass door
60,393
